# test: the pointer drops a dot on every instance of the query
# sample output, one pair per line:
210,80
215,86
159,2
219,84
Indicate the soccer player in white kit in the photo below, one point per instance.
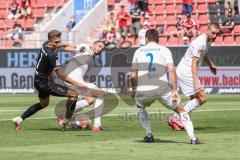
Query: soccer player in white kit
187,71
149,83
76,69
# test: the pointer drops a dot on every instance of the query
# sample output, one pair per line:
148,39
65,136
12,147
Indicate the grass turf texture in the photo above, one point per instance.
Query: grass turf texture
216,124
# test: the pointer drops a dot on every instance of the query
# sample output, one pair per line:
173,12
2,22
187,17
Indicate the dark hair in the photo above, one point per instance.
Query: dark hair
152,35
54,34
99,41
215,25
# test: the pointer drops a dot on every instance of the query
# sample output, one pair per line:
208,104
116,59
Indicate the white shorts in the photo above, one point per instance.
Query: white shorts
92,89
165,100
185,82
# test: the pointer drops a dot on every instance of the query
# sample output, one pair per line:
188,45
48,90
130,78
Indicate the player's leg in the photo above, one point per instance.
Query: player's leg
43,102
144,118
81,104
167,101
98,110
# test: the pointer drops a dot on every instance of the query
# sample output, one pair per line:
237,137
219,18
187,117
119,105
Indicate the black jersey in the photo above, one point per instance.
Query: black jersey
47,61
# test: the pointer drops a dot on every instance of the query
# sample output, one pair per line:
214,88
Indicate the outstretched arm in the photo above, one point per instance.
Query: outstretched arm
212,67
134,75
173,79
196,82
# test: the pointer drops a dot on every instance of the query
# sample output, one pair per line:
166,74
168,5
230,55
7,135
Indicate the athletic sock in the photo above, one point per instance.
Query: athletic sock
80,105
71,104
191,105
144,119
31,110
98,110
187,123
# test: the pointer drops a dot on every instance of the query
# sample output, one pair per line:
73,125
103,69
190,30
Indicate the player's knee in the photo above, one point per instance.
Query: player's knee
44,104
90,100
202,98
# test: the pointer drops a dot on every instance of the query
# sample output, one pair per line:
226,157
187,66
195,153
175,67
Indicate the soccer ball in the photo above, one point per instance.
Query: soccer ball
83,124
82,121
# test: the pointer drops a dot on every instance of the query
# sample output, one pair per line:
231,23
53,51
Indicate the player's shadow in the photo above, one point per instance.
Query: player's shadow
204,128
159,141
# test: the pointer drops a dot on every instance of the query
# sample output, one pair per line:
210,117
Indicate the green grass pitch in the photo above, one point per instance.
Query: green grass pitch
216,124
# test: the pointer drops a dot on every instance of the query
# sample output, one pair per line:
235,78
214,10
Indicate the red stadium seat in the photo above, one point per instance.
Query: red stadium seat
173,41
179,8
228,39
151,8
203,19
171,2
171,19
202,8
203,28
163,40
170,9
218,40
111,2
171,28
237,40
237,29
160,19
201,1
159,9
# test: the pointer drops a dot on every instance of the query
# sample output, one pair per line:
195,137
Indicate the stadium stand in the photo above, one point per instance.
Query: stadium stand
39,9
164,12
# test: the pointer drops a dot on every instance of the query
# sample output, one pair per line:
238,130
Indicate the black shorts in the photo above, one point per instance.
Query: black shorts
46,88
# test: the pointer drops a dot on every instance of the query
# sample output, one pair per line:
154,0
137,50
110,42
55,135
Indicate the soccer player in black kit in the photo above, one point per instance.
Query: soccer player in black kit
46,63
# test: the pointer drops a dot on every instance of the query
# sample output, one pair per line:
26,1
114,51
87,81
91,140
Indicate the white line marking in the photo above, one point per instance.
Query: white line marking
124,113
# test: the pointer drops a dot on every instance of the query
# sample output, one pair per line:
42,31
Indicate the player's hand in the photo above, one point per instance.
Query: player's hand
198,87
175,96
213,69
82,88
133,93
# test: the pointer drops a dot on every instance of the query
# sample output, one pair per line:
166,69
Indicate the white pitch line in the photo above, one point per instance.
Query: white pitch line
122,114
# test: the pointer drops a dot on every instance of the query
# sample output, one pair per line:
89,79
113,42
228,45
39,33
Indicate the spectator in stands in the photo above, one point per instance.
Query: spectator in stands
103,35
136,15
113,37
185,41
228,25
122,18
190,27
111,23
14,10
187,7
16,34
71,24
180,29
130,4
26,9
143,5
229,7
142,32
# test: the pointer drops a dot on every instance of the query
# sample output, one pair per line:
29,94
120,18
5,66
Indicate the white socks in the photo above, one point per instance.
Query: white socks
98,109
80,105
187,123
18,120
144,119
191,105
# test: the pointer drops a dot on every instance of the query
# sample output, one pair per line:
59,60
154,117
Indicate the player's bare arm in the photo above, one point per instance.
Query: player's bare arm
173,79
68,47
212,67
197,84
134,76
65,78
